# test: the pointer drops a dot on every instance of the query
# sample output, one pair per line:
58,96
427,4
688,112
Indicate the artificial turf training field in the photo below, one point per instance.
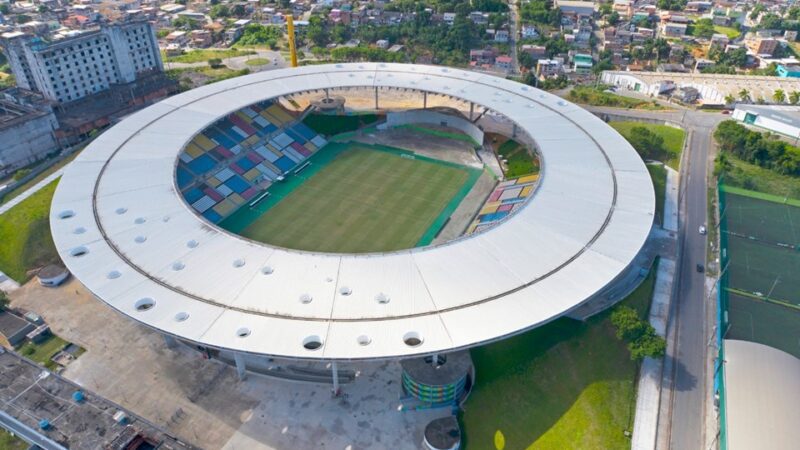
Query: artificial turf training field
761,237
361,198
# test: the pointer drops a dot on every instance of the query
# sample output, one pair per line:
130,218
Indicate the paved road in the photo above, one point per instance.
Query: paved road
687,384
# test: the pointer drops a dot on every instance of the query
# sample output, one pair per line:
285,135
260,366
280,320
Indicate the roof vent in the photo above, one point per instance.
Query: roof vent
306,299
267,270
412,339
363,340
181,316
77,252
312,343
382,298
140,239
177,265
121,211
243,332
238,263
79,230
144,304
140,220
344,290
113,275
66,214
192,244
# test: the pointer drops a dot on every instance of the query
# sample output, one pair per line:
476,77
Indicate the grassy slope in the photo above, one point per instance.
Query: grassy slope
564,385
9,442
673,137
25,235
195,56
257,61
364,201
590,96
659,176
750,176
520,161
39,178
731,32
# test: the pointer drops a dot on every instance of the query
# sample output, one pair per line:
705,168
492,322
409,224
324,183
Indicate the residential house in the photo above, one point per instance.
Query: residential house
529,32
503,62
671,29
482,56
546,68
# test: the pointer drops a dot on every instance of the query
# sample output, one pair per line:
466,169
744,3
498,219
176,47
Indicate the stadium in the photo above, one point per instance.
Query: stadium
351,212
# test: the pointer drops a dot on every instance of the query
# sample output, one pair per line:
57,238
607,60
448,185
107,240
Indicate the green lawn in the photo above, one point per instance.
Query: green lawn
25,235
42,352
9,442
24,187
520,160
257,61
590,95
365,200
765,323
195,56
731,32
330,125
565,385
659,176
750,176
673,138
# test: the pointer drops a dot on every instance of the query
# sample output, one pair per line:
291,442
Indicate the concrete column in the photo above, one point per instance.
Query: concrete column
471,110
376,97
424,100
240,366
435,360
335,375
170,341
327,95
514,130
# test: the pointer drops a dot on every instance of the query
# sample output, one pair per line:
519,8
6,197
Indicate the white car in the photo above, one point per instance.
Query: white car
702,229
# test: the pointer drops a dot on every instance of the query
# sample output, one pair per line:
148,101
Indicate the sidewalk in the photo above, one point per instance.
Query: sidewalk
648,397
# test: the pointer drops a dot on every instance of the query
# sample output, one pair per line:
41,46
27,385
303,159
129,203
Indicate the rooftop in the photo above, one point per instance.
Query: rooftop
121,235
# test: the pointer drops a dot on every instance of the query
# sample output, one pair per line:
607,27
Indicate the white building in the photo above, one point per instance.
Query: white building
783,120
69,69
27,126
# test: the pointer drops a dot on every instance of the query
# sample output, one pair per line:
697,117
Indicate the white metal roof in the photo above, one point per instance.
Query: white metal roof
118,204
762,390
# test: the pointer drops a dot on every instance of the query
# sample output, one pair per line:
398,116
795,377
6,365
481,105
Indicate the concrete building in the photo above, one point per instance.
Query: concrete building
27,129
783,120
788,70
671,29
88,63
763,46
548,67
582,63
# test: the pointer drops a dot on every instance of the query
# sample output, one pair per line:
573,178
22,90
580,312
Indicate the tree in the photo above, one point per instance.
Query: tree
779,96
23,18
3,301
729,99
794,97
42,9
315,31
238,11
613,18
215,63
704,28
648,345
744,95
672,5
219,11
5,9
648,144
627,323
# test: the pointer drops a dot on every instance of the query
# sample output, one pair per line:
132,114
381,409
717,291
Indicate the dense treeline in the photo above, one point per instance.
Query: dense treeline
758,148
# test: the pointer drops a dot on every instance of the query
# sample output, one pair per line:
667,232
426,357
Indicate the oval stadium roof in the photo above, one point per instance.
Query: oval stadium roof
122,227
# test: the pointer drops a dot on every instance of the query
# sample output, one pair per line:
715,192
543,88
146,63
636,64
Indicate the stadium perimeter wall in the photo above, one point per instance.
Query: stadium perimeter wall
396,119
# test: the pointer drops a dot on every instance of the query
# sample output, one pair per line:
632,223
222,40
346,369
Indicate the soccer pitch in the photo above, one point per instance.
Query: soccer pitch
366,199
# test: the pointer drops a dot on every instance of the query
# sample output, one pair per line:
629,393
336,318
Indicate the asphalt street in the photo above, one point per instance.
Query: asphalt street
686,389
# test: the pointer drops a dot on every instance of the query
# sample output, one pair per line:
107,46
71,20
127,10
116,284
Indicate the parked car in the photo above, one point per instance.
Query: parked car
700,268
702,229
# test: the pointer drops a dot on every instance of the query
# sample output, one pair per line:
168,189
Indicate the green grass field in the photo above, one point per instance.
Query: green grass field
330,125
564,385
765,323
42,352
196,56
659,176
10,442
257,61
750,176
731,32
520,160
364,200
25,235
673,138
